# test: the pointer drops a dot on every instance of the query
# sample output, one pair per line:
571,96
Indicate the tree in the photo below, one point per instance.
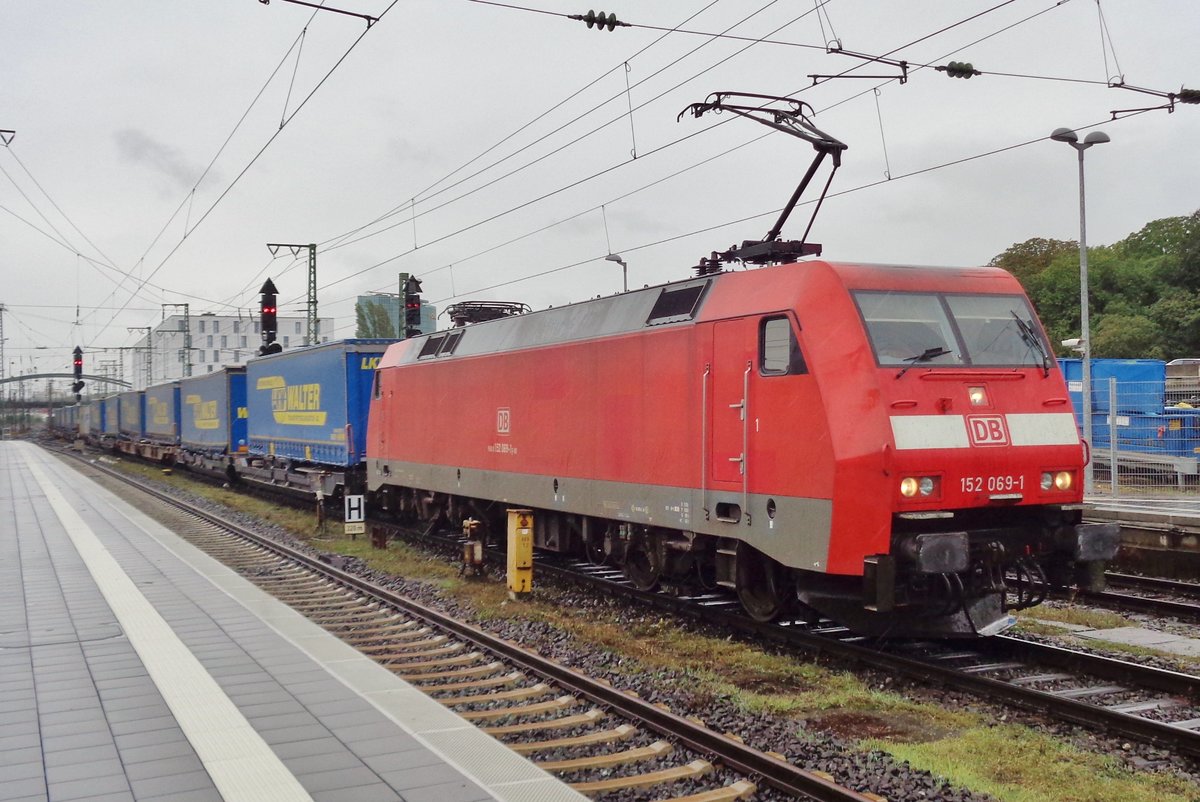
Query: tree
1177,316
373,320
1143,291
1028,259
1159,237
1126,337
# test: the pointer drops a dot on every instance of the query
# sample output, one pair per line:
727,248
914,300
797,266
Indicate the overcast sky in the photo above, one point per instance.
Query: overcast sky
149,165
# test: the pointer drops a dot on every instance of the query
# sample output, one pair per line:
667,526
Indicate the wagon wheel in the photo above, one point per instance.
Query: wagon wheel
763,586
641,565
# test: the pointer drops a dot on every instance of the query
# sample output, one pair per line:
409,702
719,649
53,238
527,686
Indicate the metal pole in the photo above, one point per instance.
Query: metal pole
310,337
1085,332
1112,432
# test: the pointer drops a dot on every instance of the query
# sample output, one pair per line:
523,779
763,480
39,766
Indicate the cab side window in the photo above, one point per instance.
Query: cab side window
778,350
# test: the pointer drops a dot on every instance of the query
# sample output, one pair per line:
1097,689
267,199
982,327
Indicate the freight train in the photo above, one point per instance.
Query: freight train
891,447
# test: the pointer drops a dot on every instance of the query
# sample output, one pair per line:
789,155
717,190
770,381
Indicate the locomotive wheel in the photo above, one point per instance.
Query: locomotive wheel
641,566
763,586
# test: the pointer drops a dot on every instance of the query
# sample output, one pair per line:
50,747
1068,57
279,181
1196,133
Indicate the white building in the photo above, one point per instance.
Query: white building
216,340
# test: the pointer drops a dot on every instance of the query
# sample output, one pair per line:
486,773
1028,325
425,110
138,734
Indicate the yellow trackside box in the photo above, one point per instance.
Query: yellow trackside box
520,552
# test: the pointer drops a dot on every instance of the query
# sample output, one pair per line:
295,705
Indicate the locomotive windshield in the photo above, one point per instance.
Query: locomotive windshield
907,328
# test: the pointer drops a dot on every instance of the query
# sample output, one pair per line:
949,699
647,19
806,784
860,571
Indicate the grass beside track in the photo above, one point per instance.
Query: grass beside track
968,749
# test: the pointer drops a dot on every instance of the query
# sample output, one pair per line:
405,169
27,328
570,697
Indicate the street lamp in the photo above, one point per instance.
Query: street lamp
1072,139
616,257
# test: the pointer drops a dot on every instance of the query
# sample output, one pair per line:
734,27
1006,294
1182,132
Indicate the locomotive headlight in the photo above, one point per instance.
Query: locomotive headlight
978,396
912,486
1059,480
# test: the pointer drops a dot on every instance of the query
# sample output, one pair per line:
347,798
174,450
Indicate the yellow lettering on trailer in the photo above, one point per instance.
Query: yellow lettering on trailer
296,404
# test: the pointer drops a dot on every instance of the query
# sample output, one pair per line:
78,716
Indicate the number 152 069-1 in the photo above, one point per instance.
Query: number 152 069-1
992,484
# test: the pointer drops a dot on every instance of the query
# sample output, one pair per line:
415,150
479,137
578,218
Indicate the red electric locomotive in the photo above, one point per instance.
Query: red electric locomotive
888,446
892,447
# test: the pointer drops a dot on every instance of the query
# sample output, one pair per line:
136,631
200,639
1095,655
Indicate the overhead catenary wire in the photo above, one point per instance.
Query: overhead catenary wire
559,104
99,265
866,186
767,213
613,167
263,149
340,241
915,65
457,260
756,40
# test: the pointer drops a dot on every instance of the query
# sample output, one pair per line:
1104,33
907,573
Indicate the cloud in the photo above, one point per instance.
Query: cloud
137,147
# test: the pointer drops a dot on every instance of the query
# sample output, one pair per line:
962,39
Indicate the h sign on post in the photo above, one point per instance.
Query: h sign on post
355,515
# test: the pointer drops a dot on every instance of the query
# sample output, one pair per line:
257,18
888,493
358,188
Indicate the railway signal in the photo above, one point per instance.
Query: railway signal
412,307
77,387
268,309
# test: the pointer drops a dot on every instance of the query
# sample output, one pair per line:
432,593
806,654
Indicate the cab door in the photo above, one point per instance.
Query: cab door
732,368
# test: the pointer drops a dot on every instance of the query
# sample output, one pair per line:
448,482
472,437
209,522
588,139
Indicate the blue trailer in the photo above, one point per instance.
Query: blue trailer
162,413
88,419
110,416
132,416
213,413
311,404
307,425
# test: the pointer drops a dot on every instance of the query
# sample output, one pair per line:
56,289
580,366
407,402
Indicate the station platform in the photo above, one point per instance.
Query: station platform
1169,643
1159,536
135,667
1182,512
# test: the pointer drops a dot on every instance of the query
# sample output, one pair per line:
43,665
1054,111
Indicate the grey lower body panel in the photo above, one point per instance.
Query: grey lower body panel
793,531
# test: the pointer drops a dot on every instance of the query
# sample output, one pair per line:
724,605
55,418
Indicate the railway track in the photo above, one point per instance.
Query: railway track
1126,699
599,739
1144,703
1165,598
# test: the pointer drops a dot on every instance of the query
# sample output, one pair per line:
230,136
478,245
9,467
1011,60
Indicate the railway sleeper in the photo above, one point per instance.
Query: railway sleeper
434,647
411,648
457,673
527,692
742,789
615,735
697,768
420,665
472,685
625,758
566,722
538,708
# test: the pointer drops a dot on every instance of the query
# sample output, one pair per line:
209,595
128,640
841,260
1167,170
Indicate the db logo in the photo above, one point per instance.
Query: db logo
987,430
503,420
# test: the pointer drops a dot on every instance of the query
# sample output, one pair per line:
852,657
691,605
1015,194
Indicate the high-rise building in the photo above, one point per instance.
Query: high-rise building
388,310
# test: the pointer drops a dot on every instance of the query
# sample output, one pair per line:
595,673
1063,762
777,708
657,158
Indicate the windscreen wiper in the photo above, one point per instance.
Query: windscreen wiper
1032,340
924,356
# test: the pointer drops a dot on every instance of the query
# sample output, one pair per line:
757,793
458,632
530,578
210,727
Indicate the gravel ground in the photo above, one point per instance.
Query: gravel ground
827,744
